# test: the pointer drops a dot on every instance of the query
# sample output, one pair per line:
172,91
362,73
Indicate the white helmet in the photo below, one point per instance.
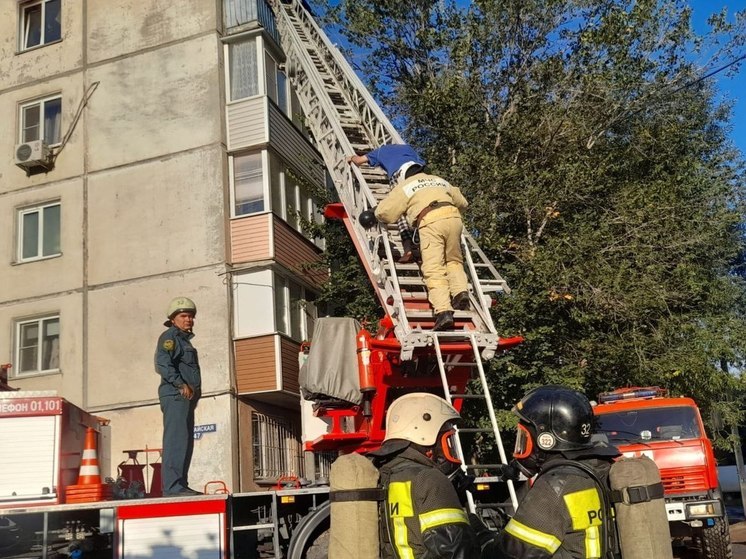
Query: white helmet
418,418
181,304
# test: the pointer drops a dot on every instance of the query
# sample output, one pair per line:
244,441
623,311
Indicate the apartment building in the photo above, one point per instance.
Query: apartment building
155,149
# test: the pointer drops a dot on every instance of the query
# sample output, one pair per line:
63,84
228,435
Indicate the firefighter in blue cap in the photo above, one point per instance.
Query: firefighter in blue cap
433,207
394,159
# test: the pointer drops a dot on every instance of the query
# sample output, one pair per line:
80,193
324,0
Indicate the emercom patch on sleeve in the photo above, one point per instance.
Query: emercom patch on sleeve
168,345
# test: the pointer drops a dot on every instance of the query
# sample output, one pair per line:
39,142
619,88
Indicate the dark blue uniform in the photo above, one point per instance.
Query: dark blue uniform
177,363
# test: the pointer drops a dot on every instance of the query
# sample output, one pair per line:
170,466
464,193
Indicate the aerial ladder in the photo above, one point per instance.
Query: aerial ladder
407,355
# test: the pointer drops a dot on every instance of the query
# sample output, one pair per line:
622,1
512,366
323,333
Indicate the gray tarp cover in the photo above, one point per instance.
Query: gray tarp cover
331,367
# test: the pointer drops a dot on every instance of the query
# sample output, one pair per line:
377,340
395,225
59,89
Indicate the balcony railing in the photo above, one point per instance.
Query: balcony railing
238,14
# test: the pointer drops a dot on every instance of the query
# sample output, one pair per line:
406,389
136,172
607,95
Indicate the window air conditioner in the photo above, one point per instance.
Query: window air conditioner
32,155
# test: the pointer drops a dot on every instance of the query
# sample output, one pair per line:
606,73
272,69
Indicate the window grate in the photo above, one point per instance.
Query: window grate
276,446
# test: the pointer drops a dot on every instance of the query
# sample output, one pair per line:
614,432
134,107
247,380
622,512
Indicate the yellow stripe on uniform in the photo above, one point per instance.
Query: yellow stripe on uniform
439,517
586,513
532,536
399,508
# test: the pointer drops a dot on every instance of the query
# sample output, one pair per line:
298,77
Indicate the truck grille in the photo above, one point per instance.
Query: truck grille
684,480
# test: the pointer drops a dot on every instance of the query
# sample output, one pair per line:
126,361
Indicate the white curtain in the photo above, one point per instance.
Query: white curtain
243,69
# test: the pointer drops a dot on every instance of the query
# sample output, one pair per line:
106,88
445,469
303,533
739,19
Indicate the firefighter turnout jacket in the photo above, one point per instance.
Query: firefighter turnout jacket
416,193
423,517
560,516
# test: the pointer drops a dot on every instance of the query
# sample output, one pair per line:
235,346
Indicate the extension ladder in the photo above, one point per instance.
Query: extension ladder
344,119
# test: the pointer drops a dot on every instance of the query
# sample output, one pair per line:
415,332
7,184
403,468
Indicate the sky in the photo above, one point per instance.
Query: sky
730,88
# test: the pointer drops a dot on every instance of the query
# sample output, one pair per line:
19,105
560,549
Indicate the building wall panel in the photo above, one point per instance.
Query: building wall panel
296,253
120,27
155,103
246,123
255,364
250,237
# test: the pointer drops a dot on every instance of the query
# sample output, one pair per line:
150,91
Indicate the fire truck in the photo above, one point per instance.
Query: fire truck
646,421
403,354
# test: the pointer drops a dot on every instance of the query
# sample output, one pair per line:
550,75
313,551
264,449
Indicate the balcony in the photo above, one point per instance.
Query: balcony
264,237
240,15
267,369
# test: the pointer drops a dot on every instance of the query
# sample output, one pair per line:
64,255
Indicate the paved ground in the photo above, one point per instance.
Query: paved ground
738,540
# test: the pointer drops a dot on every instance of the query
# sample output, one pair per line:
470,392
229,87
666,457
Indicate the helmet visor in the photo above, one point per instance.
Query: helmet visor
448,447
523,443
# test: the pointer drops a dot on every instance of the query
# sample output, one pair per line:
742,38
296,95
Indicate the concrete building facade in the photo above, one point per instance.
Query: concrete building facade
179,166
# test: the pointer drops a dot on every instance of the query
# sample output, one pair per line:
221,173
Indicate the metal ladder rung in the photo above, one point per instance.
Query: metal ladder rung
468,396
494,428
474,430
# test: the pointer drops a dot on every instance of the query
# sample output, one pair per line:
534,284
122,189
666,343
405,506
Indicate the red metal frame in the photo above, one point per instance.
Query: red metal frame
390,378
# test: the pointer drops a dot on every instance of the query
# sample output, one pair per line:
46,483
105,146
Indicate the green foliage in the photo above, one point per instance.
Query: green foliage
601,178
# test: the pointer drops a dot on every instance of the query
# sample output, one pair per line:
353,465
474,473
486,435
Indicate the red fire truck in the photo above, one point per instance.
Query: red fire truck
669,430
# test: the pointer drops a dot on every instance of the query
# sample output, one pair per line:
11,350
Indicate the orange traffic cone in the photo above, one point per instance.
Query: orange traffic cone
89,487
89,473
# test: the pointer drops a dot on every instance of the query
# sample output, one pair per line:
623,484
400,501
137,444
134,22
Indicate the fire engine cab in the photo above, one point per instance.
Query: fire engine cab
646,421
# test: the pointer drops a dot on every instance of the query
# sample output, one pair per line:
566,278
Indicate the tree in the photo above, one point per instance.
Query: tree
601,178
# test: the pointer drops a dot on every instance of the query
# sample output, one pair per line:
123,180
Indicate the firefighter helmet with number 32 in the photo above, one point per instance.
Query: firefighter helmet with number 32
553,419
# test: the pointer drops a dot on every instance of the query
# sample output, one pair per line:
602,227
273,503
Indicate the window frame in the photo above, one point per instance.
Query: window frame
23,29
285,302
255,38
266,194
41,102
39,208
40,322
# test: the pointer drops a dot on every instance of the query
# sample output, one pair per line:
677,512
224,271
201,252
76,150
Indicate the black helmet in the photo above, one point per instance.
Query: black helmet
557,419
367,219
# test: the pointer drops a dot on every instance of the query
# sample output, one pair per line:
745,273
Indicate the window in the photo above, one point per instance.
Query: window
39,232
295,309
248,183
38,345
42,120
243,71
276,446
40,23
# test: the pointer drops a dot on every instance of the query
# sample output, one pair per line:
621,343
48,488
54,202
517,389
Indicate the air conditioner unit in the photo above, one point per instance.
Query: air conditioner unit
32,155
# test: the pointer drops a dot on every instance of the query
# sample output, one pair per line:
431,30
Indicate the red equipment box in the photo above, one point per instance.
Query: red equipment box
42,438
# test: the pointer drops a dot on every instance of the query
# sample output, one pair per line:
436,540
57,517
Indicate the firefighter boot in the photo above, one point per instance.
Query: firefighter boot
443,321
460,301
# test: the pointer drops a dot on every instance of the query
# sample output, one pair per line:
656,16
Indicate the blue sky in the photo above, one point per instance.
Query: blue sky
731,88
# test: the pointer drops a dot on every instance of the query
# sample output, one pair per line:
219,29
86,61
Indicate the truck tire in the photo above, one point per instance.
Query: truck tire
715,541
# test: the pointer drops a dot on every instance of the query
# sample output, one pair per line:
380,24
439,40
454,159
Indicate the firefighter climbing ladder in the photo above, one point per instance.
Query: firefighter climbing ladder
453,398
344,119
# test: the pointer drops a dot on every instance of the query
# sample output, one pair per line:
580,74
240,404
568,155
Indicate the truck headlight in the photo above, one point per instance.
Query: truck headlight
700,510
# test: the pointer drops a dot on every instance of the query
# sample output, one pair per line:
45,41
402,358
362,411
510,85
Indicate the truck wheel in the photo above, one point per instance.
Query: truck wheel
715,541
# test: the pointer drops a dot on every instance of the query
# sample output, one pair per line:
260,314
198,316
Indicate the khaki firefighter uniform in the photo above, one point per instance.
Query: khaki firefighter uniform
561,517
432,205
423,516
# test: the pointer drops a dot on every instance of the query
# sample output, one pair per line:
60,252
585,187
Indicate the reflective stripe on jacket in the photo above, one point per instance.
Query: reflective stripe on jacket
424,518
561,517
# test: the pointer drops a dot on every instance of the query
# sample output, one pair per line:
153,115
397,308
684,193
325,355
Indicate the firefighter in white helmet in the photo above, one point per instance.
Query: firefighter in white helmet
177,363
423,516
